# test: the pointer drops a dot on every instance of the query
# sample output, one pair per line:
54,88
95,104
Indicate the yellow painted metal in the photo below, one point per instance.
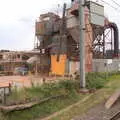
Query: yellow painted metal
58,67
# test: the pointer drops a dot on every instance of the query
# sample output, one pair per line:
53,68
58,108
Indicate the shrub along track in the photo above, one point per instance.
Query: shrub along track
7,109
52,106
96,102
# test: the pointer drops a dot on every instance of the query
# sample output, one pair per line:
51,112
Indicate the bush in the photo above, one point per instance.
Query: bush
68,85
44,91
95,80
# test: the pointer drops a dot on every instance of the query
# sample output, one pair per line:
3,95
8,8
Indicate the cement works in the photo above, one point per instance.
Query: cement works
56,47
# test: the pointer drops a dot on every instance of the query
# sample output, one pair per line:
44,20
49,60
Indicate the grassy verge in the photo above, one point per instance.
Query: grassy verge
96,81
94,99
41,92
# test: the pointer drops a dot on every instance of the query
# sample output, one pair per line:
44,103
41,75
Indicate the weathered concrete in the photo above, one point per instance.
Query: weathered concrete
106,65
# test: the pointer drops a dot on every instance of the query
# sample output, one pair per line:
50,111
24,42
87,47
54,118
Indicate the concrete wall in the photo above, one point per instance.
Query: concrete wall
73,67
103,65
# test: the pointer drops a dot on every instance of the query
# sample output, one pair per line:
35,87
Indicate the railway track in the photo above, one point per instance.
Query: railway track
116,116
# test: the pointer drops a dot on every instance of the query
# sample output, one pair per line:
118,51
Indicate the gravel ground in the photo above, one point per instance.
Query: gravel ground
100,113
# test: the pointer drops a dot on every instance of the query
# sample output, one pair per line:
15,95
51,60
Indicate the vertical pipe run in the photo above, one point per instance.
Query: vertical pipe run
82,44
116,38
104,44
111,40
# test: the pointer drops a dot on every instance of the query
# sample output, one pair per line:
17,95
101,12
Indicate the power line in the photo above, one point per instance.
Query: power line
110,5
116,3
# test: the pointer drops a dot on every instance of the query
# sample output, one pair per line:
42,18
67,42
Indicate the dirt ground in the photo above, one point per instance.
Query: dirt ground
100,113
14,80
25,81
20,81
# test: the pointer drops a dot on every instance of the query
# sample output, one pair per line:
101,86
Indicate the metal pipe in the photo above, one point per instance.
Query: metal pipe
116,37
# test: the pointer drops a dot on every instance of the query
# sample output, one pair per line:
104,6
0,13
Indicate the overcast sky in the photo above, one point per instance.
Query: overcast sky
17,19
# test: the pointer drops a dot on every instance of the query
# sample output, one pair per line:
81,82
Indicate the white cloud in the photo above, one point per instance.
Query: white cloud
17,18
17,21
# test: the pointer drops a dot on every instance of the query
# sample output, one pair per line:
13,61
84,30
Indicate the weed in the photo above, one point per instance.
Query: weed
96,80
69,87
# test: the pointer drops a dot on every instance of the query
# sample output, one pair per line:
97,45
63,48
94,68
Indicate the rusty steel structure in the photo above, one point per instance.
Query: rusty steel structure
106,41
58,40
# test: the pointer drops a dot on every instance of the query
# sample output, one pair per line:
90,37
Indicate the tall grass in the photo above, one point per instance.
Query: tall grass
69,87
96,80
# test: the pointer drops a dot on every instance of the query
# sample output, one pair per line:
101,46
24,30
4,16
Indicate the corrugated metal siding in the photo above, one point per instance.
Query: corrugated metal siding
44,28
40,28
57,26
88,42
56,49
96,8
75,33
72,21
96,14
97,19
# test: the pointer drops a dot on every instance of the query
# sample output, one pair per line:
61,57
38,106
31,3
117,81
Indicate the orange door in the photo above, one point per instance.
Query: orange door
58,67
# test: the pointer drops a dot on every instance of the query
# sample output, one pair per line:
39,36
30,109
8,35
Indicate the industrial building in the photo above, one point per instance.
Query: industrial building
9,60
57,38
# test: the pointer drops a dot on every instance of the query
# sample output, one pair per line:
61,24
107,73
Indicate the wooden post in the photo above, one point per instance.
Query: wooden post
9,88
3,97
36,68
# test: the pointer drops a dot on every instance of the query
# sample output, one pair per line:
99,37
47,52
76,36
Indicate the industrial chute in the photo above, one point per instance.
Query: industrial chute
62,32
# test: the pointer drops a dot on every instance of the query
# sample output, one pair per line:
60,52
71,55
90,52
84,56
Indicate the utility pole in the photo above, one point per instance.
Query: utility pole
82,43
